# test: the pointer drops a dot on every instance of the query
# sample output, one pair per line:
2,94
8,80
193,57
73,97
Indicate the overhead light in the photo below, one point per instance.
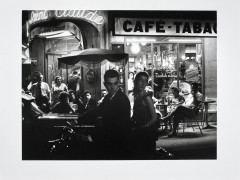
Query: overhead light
57,34
184,40
50,33
135,48
63,34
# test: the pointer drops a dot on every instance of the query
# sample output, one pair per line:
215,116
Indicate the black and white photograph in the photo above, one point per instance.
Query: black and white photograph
108,88
159,72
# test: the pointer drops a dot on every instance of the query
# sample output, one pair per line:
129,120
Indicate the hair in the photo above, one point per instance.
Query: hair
71,92
111,74
75,72
63,96
195,85
36,73
57,77
149,71
138,75
131,73
38,76
175,89
86,92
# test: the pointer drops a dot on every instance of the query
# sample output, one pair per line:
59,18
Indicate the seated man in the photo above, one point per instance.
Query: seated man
185,109
75,103
88,102
63,105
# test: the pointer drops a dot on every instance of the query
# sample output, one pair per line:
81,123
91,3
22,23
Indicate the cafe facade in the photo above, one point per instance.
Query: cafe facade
56,33
179,45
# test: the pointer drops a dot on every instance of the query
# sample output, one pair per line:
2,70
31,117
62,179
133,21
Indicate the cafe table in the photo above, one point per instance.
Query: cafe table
206,103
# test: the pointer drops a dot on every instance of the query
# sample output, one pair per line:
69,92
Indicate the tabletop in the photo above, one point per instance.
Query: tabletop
209,101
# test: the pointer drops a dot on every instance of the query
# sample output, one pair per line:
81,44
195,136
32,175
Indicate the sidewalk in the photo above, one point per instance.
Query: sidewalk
191,145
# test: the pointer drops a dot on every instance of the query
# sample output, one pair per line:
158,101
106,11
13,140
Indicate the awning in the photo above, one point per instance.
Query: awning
93,55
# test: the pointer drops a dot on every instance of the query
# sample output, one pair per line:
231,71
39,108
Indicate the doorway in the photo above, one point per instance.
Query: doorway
53,69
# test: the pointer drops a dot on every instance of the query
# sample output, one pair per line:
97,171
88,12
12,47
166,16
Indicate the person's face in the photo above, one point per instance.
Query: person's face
65,100
58,81
88,96
142,83
130,76
41,78
72,96
112,85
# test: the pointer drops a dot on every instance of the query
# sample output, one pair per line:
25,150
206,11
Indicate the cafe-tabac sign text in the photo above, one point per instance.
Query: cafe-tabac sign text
175,27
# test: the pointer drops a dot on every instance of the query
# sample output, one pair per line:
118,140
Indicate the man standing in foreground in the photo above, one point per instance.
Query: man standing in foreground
112,118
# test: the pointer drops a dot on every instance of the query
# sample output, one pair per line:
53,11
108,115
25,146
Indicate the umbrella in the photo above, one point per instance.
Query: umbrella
93,55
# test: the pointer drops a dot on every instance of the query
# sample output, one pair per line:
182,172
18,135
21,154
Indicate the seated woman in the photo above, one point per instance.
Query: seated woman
63,105
176,100
185,110
88,102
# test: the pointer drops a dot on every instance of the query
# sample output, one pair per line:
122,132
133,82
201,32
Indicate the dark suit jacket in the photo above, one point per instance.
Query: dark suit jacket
90,105
115,114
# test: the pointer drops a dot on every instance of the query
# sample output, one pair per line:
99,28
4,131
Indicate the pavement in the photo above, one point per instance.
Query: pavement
192,144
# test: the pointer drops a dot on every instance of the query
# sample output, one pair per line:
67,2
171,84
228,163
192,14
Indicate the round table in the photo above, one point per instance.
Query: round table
206,102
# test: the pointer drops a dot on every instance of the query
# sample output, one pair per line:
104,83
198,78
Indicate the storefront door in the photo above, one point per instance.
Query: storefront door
53,69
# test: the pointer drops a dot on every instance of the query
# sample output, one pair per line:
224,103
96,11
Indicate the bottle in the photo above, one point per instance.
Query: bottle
121,79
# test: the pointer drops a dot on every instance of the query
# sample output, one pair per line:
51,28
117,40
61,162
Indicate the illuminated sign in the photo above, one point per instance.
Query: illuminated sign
88,15
175,27
38,16
91,16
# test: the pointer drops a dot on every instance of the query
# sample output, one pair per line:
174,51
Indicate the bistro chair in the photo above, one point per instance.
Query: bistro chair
193,118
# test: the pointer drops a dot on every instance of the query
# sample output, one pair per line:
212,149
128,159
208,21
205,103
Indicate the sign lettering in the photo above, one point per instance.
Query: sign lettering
88,15
91,16
38,16
136,26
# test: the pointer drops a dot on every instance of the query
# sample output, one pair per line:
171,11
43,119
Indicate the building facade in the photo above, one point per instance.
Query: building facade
179,45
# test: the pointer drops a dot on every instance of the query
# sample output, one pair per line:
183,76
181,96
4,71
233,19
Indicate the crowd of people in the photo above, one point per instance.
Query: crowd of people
60,98
120,133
